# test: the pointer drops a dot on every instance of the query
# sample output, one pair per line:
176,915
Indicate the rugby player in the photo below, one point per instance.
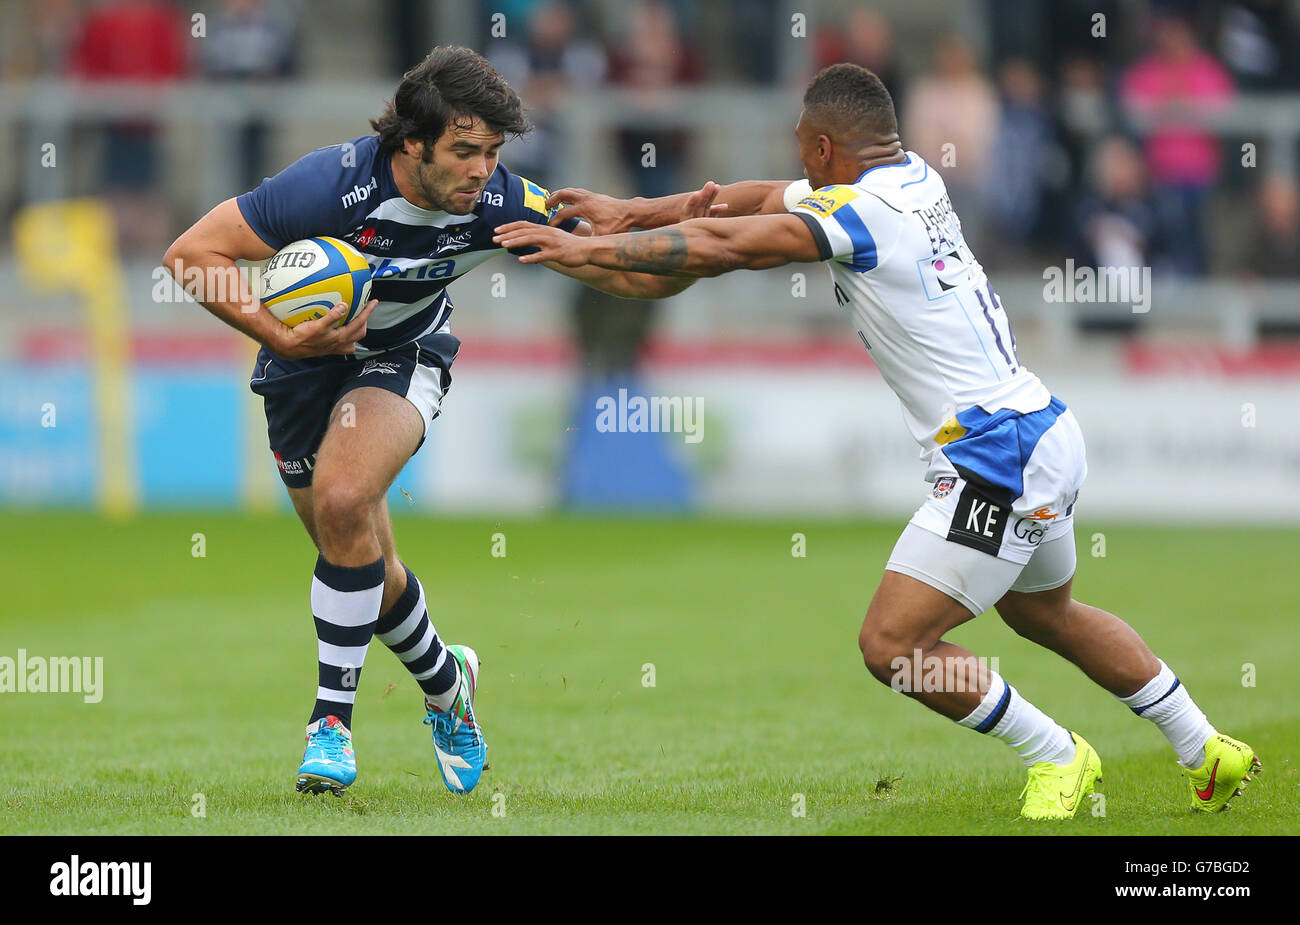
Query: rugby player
347,406
1005,457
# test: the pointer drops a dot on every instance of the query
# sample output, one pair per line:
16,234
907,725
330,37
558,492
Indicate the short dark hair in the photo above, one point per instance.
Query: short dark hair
453,84
848,96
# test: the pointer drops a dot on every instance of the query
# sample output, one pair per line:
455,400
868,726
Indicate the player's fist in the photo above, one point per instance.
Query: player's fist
321,336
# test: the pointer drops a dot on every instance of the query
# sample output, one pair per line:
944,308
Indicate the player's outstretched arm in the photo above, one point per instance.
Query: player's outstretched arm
609,215
203,259
622,284
699,247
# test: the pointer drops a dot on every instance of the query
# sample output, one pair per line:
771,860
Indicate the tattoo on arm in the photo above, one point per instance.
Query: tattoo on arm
652,251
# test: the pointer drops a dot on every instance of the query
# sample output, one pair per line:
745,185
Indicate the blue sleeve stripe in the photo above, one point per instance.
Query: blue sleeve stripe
864,245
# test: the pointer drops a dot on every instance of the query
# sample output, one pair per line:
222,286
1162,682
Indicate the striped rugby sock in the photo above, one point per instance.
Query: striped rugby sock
406,629
345,603
1005,715
1165,701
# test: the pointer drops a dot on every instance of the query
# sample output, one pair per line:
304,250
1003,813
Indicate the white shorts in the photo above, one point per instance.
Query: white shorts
974,541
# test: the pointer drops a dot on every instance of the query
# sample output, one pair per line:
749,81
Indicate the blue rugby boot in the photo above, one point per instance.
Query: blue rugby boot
329,762
457,739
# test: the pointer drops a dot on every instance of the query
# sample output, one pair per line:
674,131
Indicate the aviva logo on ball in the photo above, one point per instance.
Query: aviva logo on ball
305,279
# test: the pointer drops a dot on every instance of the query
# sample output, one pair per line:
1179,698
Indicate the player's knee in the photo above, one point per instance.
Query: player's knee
880,651
341,507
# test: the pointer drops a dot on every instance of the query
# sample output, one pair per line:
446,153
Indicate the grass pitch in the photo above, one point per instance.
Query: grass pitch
640,676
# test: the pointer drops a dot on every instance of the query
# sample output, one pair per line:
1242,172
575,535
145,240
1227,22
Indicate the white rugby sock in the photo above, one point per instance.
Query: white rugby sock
345,604
1034,735
1165,701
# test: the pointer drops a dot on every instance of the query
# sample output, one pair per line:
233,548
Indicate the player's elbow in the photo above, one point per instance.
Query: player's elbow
174,258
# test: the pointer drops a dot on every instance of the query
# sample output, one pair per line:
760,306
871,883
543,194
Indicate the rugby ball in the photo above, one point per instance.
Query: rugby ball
307,278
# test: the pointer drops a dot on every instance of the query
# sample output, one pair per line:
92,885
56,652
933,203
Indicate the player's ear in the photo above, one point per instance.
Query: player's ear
413,147
825,149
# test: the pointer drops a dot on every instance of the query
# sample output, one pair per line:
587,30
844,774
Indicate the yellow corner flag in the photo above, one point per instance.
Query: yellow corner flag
71,245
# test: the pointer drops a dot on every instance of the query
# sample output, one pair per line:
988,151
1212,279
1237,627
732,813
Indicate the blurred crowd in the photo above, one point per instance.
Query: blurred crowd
1059,133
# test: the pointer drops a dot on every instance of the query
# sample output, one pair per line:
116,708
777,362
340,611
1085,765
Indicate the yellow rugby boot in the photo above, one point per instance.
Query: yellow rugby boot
1055,791
1228,767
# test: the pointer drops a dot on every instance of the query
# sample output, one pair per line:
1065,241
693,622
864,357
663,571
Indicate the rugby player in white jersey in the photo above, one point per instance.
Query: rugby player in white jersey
346,407
1005,458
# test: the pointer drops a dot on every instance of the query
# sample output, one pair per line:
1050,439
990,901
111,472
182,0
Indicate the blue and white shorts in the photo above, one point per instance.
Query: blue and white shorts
1000,515
300,395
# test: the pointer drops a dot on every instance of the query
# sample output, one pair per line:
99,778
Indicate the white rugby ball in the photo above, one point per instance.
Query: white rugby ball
307,278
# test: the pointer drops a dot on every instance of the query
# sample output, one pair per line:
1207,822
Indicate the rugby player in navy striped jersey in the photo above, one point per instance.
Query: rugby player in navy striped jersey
347,406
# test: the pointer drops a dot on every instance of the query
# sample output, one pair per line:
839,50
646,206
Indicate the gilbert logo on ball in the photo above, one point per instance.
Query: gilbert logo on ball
307,278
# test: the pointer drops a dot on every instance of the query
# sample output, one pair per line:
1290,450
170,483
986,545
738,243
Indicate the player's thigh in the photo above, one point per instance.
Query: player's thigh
907,613
1040,598
371,434
971,578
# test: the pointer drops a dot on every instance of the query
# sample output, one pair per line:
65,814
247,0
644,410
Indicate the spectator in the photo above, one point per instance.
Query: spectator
865,39
1275,243
132,40
245,41
552,61
1260,44
652,58
1174,85
1029,161
1116,224
42,50
952,117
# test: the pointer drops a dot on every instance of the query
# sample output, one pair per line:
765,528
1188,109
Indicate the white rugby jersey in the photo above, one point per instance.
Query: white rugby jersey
918,297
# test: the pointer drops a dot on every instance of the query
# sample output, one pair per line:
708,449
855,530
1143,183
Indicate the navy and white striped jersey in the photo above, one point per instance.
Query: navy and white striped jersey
347,191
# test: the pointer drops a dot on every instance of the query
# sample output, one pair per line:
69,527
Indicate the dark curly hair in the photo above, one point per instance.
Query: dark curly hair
853,97
453,84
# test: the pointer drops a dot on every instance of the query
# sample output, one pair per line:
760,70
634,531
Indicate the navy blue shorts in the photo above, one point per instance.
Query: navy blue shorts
300,394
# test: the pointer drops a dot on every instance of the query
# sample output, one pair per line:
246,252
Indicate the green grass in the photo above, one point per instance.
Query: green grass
760,694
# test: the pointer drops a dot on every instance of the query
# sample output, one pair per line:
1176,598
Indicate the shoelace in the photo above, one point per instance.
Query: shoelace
331,742
1039,775
467,719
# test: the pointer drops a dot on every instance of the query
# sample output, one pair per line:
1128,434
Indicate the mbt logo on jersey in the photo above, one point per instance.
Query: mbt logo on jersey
360,194
827,200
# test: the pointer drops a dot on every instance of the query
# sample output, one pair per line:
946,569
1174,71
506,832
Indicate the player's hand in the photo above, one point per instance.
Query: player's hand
605,214
320,337
554,244
700,203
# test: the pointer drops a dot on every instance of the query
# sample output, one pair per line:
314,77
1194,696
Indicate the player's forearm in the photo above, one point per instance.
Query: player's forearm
218,284
747,197
691,249
623,284
645,286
